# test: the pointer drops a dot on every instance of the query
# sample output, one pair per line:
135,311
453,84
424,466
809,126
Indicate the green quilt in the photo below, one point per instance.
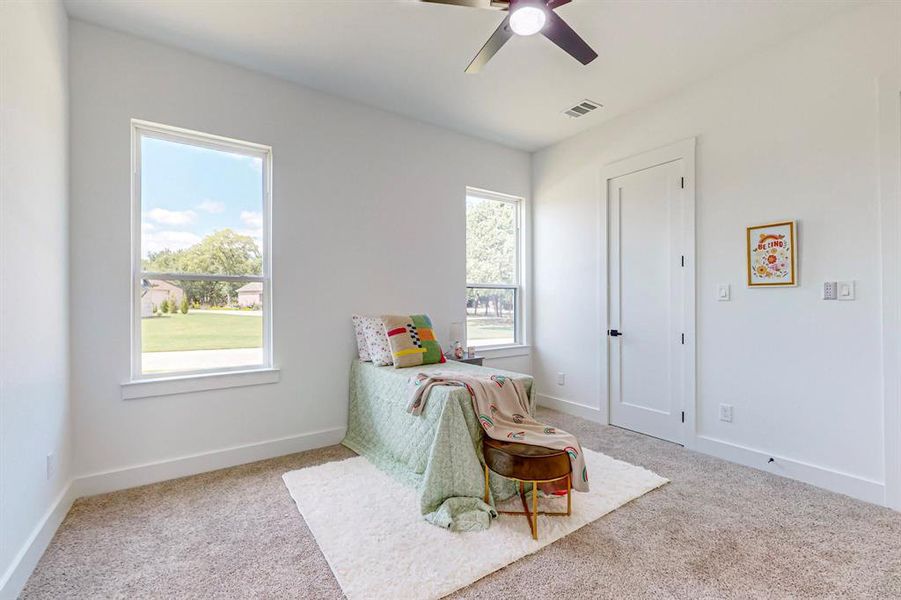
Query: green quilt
439,452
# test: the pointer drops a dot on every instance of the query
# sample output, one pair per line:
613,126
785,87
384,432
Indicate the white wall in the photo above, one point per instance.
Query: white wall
34,396
790,134
368,217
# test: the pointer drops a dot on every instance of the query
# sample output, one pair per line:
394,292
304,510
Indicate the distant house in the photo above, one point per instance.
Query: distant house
251,294
155,291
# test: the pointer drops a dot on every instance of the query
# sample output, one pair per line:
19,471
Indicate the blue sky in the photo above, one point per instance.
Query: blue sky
188,192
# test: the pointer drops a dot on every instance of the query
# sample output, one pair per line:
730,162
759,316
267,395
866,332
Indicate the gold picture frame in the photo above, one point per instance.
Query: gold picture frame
772,255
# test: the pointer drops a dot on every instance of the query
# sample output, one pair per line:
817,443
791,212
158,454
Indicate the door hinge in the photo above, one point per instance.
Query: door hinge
683,338
683,416
683,260
682,183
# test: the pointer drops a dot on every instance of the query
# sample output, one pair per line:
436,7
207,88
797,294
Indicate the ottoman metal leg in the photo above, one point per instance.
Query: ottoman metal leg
534,510
532,513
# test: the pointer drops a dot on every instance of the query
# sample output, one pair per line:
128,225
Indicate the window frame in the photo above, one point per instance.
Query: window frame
139,130
519,287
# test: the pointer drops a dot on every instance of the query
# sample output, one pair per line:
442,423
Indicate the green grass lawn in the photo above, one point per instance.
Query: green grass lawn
493,328
201,331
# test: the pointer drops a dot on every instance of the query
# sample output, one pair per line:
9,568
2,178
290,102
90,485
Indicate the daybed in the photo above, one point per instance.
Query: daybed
439,452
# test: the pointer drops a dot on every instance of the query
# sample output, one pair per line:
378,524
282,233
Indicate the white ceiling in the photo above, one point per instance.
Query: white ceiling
408,57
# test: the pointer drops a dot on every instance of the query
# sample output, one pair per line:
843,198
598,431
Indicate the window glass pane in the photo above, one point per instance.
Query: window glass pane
201,210
490,316
198,325
490,241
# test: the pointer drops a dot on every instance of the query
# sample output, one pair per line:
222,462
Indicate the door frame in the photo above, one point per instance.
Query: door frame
890,217
682,150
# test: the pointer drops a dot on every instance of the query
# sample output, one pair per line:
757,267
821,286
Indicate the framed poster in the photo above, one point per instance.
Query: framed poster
772,256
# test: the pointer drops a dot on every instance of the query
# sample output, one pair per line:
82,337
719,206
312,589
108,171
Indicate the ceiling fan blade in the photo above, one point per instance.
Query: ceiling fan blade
494,43
495,4
470,3
564,36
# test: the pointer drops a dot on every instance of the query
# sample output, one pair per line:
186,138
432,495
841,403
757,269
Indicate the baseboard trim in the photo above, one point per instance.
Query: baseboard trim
835,481
822,477
26,560
572,408
129,477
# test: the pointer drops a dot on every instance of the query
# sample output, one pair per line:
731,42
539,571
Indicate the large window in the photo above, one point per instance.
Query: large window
200,270
493,269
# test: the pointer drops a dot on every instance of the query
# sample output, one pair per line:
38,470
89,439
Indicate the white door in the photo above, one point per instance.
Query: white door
646,298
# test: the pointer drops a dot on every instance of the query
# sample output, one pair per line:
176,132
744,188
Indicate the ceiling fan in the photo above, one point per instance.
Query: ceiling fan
526,17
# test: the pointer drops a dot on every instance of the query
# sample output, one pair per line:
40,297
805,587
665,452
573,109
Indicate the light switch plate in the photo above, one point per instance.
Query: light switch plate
724,292
846,290
830,290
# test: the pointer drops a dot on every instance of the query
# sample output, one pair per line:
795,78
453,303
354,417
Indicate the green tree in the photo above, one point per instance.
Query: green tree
164,306
490,253
164,261
224,252
184,304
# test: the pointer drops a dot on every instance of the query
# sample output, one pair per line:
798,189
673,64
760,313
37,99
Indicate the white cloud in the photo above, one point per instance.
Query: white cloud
172,217
252,219
253,162
211,206
147,227
254,223
167,240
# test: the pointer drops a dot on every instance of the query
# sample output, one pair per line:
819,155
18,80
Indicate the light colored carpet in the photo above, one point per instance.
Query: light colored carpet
379,547
717,531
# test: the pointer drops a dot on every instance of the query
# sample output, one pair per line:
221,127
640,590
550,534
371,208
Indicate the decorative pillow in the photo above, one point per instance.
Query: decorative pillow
412,340
362,346
376,341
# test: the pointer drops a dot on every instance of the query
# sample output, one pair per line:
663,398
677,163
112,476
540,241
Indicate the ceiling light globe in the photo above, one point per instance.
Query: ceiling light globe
527,20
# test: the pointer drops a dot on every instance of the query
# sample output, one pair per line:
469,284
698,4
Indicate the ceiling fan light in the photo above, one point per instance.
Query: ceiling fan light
527,20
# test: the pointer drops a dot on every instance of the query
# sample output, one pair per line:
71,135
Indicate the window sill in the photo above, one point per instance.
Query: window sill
490,352
148,388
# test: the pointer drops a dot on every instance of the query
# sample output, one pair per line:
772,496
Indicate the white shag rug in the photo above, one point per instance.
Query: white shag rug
378,546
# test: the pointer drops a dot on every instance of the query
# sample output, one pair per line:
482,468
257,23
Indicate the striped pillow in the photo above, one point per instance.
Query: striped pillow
412,340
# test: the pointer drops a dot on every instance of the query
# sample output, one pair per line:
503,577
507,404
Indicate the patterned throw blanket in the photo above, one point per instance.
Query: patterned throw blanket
503,409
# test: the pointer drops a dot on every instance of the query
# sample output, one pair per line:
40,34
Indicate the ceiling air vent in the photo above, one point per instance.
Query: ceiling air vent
582,108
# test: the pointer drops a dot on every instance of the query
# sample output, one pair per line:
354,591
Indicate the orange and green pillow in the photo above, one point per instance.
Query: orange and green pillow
412,340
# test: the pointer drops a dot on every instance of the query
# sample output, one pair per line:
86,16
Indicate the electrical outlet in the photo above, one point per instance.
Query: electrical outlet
51,466
726,413
561,378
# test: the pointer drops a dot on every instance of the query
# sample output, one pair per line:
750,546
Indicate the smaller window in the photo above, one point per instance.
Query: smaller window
493,269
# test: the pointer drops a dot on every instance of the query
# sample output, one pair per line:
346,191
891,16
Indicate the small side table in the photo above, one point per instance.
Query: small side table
472,360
